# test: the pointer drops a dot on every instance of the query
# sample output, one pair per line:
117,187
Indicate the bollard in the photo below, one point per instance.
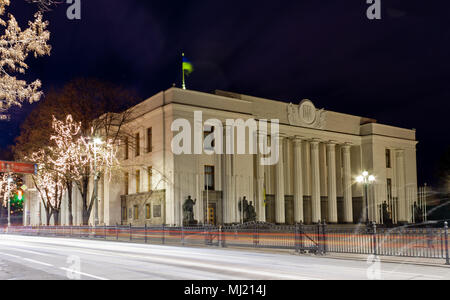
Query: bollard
324,237
163,236
447,257
117,232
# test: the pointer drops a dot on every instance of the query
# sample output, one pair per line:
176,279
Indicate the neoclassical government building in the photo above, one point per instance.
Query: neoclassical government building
321,153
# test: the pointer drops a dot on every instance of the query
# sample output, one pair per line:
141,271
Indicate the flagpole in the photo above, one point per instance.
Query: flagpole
182,71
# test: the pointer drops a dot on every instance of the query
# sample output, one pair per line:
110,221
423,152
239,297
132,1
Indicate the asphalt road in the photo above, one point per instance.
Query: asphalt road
53,258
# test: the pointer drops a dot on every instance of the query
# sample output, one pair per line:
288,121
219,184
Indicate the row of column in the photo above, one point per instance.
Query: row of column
299,214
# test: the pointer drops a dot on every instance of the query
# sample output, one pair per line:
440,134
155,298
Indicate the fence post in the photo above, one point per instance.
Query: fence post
145,233
374,226
300,232
319,237
255,236
324,237
131,234
447,258
224,238
163,234
182,235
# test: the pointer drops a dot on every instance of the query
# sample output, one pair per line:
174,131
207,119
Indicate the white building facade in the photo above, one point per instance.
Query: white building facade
321,153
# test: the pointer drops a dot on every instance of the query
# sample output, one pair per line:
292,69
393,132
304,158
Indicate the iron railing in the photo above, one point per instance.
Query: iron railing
319,239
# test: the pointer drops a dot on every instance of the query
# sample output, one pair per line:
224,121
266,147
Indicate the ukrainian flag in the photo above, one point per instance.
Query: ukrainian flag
188,68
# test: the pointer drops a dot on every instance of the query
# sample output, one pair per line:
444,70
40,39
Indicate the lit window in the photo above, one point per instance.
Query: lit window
138,144
147,211
149,140
138,182
124,213
388,159
136,212
126,183
126,148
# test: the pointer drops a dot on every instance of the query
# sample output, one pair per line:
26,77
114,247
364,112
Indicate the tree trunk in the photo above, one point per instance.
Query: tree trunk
49,214
84,195
69,194
56,217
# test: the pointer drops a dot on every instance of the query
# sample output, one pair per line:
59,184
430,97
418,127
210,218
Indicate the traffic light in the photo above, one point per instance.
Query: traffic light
20,195
18,198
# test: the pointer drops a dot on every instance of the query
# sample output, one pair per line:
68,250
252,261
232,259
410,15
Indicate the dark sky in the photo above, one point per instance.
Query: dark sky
395,70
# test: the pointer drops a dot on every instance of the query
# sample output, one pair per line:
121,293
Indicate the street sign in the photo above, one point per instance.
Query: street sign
17,167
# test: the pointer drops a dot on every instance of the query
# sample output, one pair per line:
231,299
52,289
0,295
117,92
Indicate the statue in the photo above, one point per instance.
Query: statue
188,212
251,214
418,214
387,220
248,210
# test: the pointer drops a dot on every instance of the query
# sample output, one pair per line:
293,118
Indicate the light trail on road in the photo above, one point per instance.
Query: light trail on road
26,257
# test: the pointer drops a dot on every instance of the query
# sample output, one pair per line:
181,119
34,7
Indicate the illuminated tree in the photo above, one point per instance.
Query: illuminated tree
76,157
49,182
15,46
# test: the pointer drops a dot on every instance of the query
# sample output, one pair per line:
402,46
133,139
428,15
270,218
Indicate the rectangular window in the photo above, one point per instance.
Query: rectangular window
126,148
138,144
389,189
127,176
124,213
157,211
136,212
388,159
138,182
147,211
209,178
149,140
150,178
212,144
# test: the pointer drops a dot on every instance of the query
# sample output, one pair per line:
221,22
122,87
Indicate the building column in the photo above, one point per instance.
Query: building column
228,197
280,214
229,205
401,193
347,188
298,182
261,206
315,177
332,196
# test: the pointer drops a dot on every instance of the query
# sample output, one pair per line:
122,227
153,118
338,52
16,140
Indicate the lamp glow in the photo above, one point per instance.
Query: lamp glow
98,141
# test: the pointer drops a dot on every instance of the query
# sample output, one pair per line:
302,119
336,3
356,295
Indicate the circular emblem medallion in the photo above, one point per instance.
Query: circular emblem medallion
307,112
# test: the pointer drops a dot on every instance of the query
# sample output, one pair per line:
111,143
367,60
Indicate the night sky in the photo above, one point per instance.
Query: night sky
395,70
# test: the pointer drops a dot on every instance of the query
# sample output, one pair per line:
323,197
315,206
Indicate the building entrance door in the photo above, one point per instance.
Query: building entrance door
211,215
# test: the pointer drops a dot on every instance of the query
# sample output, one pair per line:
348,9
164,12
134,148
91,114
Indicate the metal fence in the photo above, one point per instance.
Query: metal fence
318,239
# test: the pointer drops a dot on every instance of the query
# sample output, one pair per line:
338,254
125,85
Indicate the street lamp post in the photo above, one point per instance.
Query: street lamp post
97,141
10,180
366,180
